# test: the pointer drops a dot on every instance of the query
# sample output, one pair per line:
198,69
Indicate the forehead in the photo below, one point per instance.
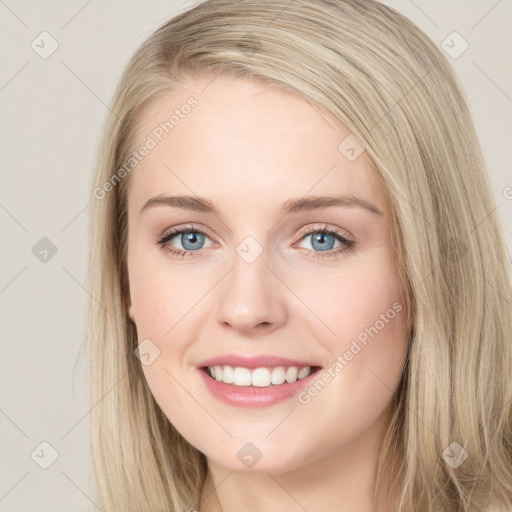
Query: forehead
243,141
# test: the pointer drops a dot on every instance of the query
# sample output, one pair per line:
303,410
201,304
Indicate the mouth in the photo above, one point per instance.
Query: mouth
263,380
262,377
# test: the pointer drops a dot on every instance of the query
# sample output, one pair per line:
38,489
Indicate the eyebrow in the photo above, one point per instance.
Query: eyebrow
303,204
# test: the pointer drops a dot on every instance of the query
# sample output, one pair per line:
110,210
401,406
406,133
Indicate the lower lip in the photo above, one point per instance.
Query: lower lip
253,396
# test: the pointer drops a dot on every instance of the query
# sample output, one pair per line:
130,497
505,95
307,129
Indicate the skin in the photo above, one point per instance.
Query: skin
249,148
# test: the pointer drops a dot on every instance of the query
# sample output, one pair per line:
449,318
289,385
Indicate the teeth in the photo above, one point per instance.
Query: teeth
228,375
259,377
291,374
303,372
278,375
242,377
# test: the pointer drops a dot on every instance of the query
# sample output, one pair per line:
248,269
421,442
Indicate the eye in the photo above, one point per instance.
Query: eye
190,238
323,239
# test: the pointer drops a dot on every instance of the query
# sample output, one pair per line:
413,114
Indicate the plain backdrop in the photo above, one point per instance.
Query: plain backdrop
52,112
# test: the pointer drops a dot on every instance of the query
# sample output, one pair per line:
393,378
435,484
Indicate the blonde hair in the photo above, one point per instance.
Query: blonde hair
380,76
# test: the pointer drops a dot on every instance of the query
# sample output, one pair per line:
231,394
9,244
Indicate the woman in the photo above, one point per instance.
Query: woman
301,296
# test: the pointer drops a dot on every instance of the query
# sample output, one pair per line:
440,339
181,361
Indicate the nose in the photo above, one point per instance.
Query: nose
251,298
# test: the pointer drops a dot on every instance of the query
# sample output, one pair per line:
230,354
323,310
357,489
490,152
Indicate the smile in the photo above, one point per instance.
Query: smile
257,387
258,377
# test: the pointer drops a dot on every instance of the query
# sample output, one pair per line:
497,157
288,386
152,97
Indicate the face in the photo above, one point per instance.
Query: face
261,283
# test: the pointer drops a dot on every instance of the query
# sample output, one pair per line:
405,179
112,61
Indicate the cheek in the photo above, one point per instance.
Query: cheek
364,310
159,296
163,313
373,302
354,297
371,329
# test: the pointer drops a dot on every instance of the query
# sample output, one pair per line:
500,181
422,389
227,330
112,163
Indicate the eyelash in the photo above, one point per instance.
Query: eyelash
333,253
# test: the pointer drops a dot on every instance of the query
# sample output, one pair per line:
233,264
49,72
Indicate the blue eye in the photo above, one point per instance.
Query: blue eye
191,240
323,240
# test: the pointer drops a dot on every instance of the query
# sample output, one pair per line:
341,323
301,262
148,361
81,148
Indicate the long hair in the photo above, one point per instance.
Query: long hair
383,78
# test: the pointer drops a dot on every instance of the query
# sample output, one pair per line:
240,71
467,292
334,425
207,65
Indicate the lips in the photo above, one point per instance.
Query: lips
253,396
247,377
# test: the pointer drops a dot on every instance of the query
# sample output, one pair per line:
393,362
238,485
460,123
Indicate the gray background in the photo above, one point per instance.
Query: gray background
52,111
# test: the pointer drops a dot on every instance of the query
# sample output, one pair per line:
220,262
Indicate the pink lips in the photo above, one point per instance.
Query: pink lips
251,396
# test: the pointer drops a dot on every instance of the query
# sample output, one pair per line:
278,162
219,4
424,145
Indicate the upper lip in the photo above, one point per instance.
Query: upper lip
253,361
